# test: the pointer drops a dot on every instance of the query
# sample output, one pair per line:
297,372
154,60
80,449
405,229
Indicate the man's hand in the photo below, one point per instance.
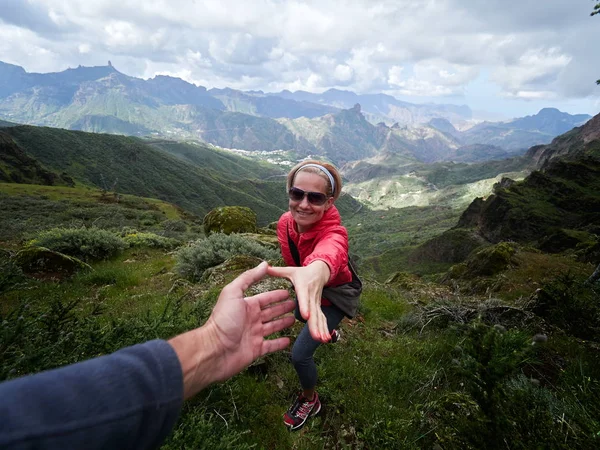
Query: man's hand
308,282
234,334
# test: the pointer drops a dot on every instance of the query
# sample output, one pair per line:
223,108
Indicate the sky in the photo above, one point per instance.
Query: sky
509,58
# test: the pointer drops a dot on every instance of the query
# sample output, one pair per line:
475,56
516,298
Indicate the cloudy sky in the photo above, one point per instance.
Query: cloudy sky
509,57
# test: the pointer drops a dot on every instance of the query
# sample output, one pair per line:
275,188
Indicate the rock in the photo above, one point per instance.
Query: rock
230,219
403,280
491,260
219,276
41,260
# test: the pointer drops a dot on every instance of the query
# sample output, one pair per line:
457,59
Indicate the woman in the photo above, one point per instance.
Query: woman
314,245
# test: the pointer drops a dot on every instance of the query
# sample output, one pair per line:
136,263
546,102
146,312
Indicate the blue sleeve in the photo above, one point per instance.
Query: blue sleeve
129,399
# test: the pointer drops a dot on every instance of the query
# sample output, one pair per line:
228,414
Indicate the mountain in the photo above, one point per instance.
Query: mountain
579,141
101,99
519,134
550,121
382,107
259,104
562,198
18,167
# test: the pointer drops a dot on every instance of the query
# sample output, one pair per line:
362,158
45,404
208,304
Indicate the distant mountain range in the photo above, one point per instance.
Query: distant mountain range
339,125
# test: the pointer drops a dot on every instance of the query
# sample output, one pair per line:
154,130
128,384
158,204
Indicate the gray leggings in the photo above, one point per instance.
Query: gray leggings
304,347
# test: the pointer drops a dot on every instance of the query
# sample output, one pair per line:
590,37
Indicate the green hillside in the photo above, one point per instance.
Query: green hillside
132,166
30,208
459,343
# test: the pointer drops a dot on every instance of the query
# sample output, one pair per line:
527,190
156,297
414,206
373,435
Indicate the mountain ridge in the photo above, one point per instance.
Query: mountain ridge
102,99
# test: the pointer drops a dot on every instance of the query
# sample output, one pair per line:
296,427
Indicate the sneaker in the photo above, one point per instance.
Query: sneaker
300,411
336,336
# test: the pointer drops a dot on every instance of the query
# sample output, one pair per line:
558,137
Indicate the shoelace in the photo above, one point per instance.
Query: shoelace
302,409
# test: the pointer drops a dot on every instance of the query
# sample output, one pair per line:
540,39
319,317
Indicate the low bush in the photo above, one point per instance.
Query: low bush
174,225
571,304
150,240
87,244
192,261
11,274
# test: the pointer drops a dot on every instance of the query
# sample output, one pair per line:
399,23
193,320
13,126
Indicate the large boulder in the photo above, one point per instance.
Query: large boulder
230,219
44,262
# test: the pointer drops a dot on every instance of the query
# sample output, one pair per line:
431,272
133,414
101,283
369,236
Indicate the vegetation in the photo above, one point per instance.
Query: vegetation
460,342
130,165
195,258
458,383
88,244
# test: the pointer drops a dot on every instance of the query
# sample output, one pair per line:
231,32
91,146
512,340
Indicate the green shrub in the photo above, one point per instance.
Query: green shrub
11,274
192,261
150,240
570,304
174,225
87,244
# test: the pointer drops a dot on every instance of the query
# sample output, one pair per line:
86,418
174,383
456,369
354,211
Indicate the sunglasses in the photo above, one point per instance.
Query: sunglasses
314,198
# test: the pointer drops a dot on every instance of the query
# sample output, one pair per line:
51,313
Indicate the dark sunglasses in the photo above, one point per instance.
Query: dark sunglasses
314,198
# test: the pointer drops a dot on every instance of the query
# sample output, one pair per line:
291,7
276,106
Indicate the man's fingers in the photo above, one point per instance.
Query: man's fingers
273,345
247,278
277,325
278,309
264,299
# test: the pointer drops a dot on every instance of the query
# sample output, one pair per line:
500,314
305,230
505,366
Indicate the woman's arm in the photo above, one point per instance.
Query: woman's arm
308,282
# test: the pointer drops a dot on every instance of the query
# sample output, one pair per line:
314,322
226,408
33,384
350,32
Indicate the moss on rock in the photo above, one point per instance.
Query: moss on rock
404,280
491,260
230,219
41,260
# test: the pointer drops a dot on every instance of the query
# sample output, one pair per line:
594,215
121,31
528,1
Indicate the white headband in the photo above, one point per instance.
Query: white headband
318,166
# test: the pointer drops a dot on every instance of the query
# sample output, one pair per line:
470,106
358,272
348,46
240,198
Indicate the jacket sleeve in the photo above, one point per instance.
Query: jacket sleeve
129,399
332,248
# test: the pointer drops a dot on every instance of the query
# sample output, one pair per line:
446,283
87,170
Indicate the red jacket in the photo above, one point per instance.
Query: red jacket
326,241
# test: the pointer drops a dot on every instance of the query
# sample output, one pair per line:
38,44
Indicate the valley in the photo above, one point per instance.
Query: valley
469,253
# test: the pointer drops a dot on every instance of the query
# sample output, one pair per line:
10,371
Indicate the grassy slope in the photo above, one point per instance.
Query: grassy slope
134,167
391,382
31,208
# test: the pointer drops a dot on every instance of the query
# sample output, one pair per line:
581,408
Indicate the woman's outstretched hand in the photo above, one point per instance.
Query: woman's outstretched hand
308,282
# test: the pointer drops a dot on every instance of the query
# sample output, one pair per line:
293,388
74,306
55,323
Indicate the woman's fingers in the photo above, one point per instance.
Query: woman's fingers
282,272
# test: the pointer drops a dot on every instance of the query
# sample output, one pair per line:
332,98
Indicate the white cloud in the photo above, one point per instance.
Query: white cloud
409,47
343,73
532,72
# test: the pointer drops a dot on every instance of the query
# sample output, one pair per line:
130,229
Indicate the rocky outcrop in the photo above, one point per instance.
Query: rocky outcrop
572,144
230,219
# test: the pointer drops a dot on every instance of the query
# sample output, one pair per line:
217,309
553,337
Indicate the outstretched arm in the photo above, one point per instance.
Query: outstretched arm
308,282
131,398
234,334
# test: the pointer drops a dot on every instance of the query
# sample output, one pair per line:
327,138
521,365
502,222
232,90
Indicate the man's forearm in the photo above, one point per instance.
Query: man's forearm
129,399
197,353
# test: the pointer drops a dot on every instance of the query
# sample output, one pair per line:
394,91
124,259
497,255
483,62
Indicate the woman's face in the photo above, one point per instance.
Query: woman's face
306,214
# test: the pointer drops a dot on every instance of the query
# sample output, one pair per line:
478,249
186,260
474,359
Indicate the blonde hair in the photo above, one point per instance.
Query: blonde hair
337,178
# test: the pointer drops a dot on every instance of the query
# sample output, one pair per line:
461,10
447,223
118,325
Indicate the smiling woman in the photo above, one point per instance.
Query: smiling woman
314,245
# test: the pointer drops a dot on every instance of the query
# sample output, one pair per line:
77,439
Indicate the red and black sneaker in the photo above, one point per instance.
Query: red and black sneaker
336,336
300,411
